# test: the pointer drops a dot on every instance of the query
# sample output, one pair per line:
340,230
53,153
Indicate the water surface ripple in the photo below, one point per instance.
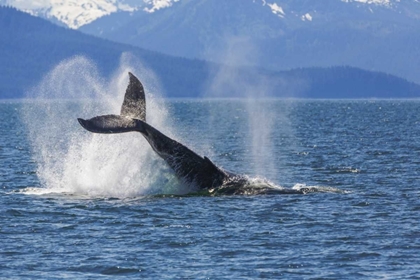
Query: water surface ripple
368,149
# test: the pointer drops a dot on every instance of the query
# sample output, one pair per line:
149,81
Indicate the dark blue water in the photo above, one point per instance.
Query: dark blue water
61,217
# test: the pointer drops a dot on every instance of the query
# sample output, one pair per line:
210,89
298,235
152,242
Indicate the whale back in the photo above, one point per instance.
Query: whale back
134,105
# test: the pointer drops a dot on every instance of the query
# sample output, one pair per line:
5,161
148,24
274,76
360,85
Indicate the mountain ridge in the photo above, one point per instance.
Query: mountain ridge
375,35
30,47
75,14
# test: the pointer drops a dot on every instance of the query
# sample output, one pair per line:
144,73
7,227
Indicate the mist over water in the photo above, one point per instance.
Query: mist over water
73,160
238,80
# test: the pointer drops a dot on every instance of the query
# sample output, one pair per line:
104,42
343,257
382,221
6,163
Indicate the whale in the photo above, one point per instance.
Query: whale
199,173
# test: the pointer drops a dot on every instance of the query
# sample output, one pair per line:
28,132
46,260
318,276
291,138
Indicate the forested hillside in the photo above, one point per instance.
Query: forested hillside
375,35
30,47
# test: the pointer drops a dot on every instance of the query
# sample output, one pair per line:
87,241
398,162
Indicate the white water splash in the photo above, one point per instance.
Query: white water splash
234,80
319,189
73,160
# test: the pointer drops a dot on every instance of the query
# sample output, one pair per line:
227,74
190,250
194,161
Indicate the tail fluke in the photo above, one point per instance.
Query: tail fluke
110,124
134,105
133,113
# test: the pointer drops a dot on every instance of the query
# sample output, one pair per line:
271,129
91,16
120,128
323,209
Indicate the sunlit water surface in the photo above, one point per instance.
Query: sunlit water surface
79,205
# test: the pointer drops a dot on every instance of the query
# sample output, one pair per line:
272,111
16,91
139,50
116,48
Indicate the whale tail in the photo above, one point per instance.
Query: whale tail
134,105
189,167
132,110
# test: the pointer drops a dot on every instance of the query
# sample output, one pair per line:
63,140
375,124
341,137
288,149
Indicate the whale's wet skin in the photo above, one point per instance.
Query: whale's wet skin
198,173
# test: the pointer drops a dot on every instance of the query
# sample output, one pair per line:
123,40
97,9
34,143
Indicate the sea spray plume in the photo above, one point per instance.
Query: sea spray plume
196,172
238,78
50,141
70,161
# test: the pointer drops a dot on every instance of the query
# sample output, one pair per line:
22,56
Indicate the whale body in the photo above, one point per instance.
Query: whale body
200,173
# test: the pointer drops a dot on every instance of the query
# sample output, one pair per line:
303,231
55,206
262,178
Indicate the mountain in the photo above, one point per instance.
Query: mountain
70,13
31,46
375,35
76,13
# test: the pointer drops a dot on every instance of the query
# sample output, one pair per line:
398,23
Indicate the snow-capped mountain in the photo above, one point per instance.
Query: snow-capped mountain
375,2
72,13
376,35
77,13
379,35
31,47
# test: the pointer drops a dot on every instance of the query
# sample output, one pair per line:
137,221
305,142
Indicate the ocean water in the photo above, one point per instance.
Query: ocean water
78,205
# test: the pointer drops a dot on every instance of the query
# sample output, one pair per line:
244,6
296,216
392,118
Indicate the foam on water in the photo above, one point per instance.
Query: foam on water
262,183
319,189
73,160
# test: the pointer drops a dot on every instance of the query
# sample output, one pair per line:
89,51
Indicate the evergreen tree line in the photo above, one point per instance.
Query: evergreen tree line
30,47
